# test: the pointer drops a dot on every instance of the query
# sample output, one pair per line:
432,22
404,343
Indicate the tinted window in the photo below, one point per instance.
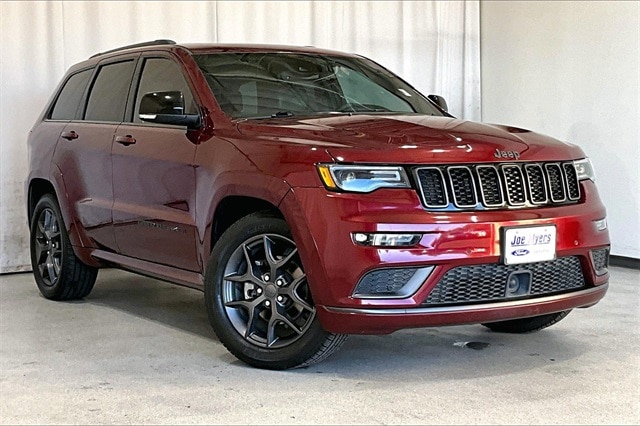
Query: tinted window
108,96
163,75
67,104
250,85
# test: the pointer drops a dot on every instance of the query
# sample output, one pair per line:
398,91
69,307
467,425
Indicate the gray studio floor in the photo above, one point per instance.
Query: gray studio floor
141,351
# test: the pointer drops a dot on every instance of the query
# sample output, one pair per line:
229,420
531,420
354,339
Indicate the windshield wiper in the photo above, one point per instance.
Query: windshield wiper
280,114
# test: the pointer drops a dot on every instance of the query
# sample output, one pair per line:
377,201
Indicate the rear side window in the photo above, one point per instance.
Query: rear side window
108,97
67,104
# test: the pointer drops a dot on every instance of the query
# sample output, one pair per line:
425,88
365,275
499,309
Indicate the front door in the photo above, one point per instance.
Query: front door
154,178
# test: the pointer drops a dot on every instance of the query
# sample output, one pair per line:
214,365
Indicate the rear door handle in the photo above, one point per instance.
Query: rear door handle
126,140
69,135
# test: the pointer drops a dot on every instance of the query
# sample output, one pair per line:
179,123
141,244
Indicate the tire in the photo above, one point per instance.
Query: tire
59,274
264,315
527,325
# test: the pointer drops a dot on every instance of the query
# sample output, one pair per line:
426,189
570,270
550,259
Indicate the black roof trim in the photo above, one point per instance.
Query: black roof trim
131,46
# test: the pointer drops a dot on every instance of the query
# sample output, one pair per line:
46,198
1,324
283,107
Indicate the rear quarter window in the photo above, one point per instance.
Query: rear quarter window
66,106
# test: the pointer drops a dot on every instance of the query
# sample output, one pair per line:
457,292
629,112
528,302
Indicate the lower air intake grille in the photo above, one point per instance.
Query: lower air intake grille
600,259
385,281
485,283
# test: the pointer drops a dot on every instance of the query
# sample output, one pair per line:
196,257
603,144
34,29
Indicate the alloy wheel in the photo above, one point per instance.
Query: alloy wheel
265,292
48,246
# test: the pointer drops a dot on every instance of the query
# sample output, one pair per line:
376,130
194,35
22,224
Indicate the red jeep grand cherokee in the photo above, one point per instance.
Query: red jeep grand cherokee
310,194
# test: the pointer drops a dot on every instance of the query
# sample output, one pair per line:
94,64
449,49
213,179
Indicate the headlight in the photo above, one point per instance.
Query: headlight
584,169
362,178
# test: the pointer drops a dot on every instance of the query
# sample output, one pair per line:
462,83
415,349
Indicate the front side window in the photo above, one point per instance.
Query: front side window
108,97
68,101
163,75
256,85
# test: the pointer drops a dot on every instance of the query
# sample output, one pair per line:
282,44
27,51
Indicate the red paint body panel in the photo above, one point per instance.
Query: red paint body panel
150,207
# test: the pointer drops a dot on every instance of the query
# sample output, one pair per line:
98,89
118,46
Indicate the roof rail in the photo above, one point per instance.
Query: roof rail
131,46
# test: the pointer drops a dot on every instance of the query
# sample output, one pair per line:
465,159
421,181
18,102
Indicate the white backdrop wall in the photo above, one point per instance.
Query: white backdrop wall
433,45
571,70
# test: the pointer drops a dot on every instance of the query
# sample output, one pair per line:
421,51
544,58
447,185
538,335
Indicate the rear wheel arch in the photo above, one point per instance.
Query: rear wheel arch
37,188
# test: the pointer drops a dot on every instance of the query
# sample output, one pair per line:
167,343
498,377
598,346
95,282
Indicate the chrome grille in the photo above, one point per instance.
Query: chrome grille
488,282
432,187
490,187
556,183
571,181
471,187
464,193
514,182
537,187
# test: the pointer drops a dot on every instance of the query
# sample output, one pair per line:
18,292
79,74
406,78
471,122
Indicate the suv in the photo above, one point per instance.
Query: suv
310,194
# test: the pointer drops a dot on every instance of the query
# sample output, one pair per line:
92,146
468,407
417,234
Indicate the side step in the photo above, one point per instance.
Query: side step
153,270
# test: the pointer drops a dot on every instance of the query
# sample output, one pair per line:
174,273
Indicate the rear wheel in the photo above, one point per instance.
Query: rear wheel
527,325
59,274
258,298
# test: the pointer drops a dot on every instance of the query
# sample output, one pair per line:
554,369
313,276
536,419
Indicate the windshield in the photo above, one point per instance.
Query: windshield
258,85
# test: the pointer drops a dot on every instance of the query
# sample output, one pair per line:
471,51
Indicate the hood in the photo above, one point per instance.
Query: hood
410,139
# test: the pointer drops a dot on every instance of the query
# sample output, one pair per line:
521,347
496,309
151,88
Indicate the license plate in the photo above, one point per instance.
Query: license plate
529,244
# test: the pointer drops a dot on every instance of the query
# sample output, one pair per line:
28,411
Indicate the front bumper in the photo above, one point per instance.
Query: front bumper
384,321
322,224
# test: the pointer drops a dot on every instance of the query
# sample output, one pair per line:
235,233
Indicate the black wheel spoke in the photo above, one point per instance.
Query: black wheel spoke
56,267
287,258
292,292
41,251
248,276
286,320
250,307
269,257
42,268
271,331
51,269
244,278
47,220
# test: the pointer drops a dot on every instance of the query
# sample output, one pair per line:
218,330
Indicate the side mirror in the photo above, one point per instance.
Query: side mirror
439,100
166,108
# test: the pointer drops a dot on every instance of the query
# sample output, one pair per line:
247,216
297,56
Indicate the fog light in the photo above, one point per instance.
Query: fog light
386,240
601,224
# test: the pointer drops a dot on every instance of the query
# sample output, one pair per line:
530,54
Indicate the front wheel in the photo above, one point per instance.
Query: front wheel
527,325
258,299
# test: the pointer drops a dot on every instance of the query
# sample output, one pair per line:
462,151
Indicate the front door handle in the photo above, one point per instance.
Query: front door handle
69,135
126,140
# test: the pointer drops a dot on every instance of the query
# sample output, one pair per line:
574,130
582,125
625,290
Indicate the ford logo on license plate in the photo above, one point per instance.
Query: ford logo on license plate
520,252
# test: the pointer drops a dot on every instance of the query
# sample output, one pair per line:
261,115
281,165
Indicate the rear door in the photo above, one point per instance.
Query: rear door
154,175
84,151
